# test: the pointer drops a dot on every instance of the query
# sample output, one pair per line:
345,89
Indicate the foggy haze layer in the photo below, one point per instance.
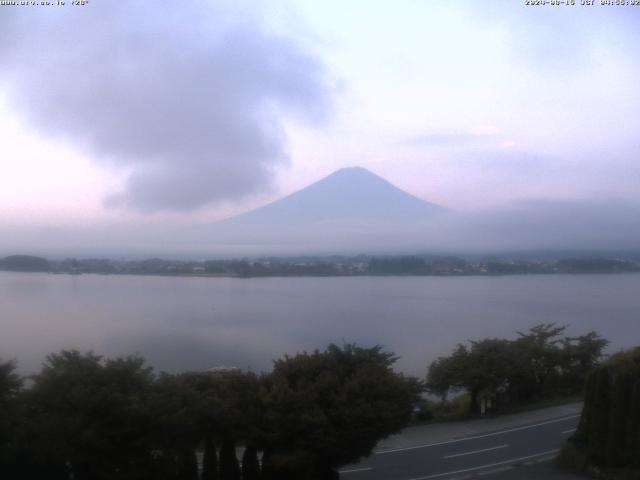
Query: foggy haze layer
354,211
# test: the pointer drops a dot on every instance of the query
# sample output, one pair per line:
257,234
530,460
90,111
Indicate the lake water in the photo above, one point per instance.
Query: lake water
196,323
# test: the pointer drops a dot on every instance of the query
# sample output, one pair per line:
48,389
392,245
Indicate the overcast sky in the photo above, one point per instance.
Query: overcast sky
147,112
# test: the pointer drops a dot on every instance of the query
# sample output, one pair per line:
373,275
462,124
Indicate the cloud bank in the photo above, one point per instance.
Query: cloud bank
189,99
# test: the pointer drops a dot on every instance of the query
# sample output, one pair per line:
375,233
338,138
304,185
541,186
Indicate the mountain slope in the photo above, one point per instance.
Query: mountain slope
350,196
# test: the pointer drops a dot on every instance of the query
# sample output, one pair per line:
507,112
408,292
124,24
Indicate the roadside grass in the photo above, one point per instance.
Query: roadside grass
433,411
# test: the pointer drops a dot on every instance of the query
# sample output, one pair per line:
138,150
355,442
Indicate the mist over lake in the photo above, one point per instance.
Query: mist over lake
197,323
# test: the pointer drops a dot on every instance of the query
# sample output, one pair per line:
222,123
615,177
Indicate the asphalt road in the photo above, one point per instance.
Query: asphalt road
484,454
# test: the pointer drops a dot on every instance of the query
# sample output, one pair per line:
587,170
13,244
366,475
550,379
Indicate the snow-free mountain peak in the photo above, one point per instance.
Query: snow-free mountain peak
351,195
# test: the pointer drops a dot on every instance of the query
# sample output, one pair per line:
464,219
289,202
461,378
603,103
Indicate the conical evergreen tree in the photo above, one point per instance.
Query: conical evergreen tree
209,460
618,417
250,464
582,432
229,467
609,430
632,443
267,472
187,465
598,431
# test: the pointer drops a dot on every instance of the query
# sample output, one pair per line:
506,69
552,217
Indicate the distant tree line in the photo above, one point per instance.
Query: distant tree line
608,435
320,266
24,263
498,373
85,417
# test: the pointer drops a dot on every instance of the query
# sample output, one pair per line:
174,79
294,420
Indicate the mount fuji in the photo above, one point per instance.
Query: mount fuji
349,196
352,209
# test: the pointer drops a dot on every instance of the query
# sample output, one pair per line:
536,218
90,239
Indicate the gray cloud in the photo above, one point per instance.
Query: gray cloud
190,100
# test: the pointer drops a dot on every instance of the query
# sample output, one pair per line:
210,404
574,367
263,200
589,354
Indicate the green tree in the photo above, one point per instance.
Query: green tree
609,428
539,358
327,409
446,374
487,373
10,420
88,417
581,355
483,371
228,411
538,363
238,417
176,431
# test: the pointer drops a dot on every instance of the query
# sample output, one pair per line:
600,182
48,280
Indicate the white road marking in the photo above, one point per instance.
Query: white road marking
353,470
516,429
569,431
489,465
475,451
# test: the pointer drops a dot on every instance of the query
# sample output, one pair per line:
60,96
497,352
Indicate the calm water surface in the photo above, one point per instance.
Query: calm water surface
195,323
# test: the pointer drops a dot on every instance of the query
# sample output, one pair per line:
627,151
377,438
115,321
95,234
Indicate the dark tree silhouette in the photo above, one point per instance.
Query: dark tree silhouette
609,430
229,466
209,460
10,420
88,416
327,409
537,364
250,464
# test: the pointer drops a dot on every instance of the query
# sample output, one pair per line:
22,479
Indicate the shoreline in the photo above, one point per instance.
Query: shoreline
333,275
